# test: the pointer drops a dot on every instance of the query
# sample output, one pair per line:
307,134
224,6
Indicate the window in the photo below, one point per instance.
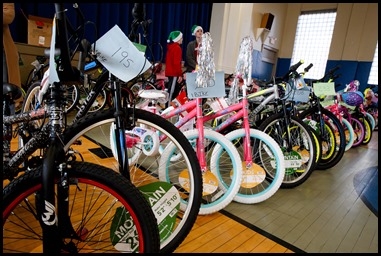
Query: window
313,40
373,76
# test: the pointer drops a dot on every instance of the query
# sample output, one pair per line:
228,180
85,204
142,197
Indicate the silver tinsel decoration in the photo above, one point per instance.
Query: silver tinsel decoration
205,60
243,68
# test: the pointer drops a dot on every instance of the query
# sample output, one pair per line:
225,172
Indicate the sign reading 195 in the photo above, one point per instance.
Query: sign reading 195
123,57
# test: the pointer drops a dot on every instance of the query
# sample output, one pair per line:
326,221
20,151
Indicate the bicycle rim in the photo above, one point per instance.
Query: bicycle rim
105,212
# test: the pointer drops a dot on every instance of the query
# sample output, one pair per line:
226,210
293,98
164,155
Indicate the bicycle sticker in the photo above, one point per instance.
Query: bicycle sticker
252,175
165,203
123,233
209,182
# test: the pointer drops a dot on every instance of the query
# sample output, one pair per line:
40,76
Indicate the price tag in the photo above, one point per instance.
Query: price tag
215,87
120,56
324,89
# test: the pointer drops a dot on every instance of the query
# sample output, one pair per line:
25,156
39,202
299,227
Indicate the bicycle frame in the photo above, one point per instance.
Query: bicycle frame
239,109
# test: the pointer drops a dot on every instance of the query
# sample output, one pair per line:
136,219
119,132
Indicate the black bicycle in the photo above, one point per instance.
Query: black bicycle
130,139
65,206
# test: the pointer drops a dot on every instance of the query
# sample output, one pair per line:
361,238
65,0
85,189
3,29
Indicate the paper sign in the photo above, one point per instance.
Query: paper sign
324,89
215,88
298,95
120,56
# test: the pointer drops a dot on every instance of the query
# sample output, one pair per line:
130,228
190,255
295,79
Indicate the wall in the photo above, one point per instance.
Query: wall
352,47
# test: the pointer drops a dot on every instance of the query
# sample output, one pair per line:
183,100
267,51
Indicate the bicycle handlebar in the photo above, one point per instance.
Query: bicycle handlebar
308,67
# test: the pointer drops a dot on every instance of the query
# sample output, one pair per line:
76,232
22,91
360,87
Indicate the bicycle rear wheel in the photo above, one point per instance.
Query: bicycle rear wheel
107,213
268,160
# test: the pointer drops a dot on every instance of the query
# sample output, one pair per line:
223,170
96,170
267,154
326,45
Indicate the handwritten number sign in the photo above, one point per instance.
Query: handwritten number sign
120,56
215,87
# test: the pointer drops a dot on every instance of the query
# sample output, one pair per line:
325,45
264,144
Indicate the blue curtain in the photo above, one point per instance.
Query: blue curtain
165,18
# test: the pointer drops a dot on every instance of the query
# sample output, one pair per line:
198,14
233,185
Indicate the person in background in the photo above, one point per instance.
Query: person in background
192,48
173,60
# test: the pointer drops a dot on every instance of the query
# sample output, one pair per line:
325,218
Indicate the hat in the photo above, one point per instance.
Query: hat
195,28
175,36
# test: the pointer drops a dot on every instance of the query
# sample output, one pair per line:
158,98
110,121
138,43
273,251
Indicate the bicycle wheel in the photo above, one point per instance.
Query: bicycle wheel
223,166
368,129
333,146
94,129
359,129
268,161
349,133
371,120
107,213
299,150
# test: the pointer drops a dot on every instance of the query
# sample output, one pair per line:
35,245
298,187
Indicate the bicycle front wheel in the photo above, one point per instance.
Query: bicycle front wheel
223,166
297,144
268,161
107,213
148,134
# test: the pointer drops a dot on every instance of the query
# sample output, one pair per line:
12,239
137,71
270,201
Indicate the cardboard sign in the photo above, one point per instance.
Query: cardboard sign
120,56
324,89
215,87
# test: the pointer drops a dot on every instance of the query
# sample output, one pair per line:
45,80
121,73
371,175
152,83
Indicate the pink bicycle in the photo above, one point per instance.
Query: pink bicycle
262,158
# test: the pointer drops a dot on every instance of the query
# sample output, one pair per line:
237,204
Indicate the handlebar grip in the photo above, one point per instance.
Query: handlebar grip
308,67
332,70
335,76
296,66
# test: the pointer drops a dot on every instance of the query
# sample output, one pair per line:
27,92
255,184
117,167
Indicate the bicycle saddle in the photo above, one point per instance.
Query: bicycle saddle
12,89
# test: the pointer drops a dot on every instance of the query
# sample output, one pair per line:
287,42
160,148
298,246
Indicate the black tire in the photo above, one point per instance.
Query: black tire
340,147
93,126
302,139
368,128
87,216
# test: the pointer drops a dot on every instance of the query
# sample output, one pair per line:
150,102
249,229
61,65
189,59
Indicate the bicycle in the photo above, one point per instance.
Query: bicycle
354,104
371,103
64,205
83,127
326,124
263,160
219,165
333,105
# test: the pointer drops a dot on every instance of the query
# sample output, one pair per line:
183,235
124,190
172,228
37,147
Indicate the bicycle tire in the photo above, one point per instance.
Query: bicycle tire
96,128
300,158
255,189
20,222
368,129
225,167
371,120
359,130
349,133
338,149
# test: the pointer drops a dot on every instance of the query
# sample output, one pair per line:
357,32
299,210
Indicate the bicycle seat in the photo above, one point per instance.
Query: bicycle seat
153,94
13,89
